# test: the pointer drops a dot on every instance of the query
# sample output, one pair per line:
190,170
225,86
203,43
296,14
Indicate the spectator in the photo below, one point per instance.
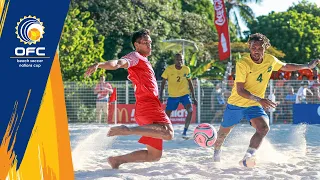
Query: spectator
218,103
302,93
288,101
278,110
294,75
293,79
102,90
272,97
280,83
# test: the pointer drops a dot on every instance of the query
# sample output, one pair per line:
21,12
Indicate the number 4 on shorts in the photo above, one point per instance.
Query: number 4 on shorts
259,78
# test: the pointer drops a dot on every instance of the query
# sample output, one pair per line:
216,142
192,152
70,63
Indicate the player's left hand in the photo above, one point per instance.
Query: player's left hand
314,63
195,102
91,69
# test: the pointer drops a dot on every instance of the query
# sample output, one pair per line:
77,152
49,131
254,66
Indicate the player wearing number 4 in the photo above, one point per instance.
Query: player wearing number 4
247,99
179,87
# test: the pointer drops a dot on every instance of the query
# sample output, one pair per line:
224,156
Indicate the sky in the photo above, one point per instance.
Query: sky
275,5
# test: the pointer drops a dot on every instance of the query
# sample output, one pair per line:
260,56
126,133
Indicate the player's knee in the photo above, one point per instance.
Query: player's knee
168,135
168,132
263,130
155,156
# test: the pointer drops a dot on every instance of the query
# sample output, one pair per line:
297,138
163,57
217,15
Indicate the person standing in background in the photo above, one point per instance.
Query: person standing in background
103,91
179,88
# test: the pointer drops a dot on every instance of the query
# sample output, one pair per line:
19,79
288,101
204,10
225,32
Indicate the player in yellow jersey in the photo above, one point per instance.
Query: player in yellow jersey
179,87
247,99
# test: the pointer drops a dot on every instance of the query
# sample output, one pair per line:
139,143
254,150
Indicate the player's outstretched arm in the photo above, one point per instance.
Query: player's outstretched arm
296,67
108,65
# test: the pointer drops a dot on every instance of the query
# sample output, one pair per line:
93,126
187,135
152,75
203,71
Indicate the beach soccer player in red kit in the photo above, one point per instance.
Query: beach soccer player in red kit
154,124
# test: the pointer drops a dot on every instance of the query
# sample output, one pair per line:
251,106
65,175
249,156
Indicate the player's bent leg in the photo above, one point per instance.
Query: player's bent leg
261,124
222,135
160,131
189,109
150,155
119,131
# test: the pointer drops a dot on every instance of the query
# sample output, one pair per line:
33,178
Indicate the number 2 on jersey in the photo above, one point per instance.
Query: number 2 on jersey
178,78
259,78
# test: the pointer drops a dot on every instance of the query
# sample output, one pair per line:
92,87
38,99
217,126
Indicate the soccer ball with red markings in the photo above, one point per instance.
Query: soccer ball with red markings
205,135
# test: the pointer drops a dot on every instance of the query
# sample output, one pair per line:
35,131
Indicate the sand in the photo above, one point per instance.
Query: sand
288,152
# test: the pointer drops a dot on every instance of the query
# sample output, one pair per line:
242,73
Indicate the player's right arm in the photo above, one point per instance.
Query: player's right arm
265,102
241,73
108,65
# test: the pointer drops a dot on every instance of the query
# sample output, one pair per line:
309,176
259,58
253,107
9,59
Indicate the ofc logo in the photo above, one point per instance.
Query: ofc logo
29,30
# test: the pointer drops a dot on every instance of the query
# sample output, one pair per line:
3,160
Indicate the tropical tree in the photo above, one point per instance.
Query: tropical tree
240,11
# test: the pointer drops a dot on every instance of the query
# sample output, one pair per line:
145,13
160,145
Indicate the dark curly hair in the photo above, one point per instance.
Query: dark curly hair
260,37
136,36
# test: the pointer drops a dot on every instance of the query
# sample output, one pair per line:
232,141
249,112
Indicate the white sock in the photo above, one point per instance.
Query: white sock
217,152
251,151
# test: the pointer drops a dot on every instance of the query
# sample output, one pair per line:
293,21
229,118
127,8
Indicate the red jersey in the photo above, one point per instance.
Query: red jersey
142,76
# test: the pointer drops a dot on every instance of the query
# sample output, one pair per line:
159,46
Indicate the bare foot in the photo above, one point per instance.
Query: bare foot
113,162
118,130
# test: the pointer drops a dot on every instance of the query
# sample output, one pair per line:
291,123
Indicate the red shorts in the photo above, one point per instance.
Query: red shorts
151,112
153,142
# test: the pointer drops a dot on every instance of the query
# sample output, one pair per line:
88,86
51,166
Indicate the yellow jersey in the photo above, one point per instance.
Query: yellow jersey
177,80
255,77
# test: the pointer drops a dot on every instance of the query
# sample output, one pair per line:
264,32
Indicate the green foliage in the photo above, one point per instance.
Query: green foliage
200,7
79,107
117,19
80,46
305,6
296,34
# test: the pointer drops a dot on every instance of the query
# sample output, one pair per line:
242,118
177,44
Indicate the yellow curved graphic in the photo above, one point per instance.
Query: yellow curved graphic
3,13
48,153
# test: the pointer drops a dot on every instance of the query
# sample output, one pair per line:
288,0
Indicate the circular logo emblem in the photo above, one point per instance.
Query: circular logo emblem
29,30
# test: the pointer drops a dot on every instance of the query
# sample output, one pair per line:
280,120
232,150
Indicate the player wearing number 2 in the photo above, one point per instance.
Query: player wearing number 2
247,99
179,87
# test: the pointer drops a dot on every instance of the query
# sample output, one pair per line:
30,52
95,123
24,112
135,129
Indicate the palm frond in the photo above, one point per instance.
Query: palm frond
246,13
193,60
202,68
237,23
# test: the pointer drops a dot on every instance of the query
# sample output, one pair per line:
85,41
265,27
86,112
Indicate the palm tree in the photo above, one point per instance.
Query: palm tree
239,9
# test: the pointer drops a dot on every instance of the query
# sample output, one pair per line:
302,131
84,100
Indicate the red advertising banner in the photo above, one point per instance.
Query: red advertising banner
221,23
125,114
